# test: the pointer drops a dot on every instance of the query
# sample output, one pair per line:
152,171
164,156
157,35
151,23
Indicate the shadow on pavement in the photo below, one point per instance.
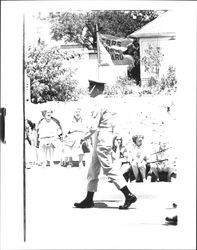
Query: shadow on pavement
107,200
104,205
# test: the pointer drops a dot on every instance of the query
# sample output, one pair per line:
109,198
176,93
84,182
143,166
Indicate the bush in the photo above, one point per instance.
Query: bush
170,81
123,86
50,79
166,84
152,82
152,59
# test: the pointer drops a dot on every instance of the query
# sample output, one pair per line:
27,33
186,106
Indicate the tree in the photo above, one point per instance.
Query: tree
49,79
152,59
81,27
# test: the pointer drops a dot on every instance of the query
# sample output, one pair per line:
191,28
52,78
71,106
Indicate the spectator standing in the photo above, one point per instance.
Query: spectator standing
49,133
76,133
30,143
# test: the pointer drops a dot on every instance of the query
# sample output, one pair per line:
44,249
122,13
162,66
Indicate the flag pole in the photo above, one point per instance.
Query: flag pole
98,50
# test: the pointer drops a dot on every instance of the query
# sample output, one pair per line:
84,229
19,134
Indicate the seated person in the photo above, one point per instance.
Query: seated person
137,157
163,167
117,151
119,157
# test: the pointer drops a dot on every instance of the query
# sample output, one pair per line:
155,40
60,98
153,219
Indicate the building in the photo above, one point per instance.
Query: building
161,33
85,67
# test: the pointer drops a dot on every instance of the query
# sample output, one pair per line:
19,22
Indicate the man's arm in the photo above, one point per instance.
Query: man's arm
93,126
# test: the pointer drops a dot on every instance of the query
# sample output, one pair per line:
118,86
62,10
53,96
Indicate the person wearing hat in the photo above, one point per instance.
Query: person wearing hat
101,128
49,132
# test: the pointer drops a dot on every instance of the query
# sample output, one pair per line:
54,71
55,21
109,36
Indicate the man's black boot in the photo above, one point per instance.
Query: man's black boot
87,202
129,198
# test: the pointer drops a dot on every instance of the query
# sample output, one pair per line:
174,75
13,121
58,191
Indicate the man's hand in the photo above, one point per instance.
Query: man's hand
81,141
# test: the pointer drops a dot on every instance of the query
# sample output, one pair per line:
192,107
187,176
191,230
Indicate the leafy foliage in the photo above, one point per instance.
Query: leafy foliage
50,79
169,82
152,60
123,86
81,27
152,82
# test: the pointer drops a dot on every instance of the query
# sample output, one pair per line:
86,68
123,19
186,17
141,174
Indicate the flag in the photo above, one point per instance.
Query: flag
104,58
110,50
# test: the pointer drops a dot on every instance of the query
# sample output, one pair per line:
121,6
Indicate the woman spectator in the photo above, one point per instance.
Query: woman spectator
74,136
49,133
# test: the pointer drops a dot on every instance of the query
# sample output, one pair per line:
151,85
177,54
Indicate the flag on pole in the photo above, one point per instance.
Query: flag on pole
104,58
110,50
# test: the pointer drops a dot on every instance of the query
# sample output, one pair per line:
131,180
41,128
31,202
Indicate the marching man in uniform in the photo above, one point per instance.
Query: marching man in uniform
102,129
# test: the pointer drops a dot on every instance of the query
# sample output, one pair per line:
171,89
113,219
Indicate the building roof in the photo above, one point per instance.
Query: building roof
71,46
162,26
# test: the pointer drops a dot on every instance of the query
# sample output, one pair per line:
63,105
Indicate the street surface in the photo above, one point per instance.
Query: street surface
53,222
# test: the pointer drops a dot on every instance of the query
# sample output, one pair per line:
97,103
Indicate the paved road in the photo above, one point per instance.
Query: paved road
53,222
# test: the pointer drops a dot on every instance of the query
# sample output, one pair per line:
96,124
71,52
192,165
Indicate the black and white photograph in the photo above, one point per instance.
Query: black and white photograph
107,126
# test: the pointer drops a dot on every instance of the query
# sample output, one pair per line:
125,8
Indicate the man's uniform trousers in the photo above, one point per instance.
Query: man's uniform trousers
102,157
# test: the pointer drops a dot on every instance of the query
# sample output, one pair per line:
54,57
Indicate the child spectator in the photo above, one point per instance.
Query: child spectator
119,157
117,151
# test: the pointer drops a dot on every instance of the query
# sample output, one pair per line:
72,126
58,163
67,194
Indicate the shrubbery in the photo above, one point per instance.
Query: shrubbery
152,59
50,78
167,84
125,86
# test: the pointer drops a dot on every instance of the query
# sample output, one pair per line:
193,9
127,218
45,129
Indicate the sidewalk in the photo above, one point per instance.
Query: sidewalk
53,222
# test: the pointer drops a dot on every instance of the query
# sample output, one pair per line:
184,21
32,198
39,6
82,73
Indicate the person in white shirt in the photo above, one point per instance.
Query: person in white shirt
138,157
76,133
49,133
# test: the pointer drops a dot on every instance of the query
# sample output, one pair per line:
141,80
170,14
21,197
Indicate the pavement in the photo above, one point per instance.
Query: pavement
52,222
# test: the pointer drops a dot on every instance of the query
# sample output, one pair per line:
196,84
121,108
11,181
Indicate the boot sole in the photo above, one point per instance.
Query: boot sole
79,206
124,208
